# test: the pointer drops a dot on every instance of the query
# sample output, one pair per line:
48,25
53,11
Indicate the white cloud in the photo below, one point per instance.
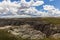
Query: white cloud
31,3
26,9
52,11
21,8
48,7
38,3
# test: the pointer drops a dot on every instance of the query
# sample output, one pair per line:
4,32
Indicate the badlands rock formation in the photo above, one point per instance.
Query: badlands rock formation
31,29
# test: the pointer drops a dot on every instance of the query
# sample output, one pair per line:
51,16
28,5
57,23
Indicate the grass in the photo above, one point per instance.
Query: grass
47,19
4,35
52,20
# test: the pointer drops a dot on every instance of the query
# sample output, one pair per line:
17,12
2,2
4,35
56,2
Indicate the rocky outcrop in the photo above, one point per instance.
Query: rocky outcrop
26,31
45,28
56,36
31,29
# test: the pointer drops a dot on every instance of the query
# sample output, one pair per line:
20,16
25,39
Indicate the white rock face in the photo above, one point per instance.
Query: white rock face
25,31
25,36
56,36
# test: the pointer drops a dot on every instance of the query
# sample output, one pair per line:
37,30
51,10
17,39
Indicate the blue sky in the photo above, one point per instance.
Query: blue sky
55,3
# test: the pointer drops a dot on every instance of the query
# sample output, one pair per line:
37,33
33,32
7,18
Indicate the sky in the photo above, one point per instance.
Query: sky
55,3
30,8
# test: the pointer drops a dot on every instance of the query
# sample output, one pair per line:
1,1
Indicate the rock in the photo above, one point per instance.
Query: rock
14,33
31,27
20,34
56,36
26,31
16,30
47,28
25,36
37,36
44,28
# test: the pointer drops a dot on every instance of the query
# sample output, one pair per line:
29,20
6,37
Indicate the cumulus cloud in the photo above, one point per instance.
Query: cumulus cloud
38,3
26,9
31,3
21,8
49,7
52,11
